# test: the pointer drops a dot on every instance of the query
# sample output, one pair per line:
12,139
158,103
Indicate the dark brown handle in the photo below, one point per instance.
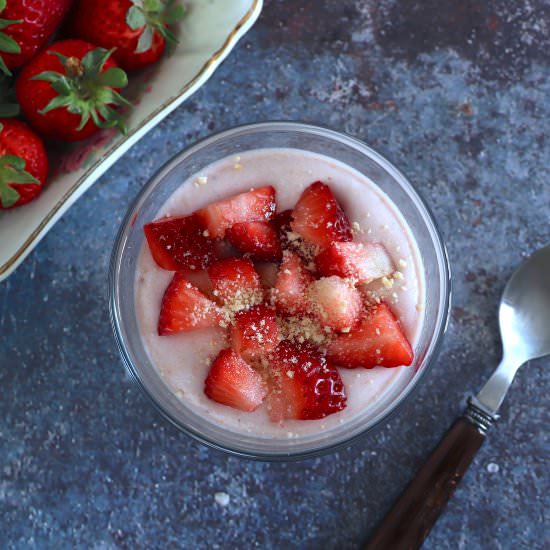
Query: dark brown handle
409,521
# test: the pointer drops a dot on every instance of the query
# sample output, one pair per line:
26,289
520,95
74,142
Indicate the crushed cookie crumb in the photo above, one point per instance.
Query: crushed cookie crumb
388,283
398,275
301,329
402,263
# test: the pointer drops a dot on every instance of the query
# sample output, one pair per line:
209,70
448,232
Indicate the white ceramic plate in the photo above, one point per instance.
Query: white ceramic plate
207,35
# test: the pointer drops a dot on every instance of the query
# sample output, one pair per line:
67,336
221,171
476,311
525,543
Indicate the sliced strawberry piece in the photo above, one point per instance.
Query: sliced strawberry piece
233,382
236,283
178,243
282,223
293,280
185,308
336,302
305,385
318,217
364,262
257,240
254,332
377,341
268,273
256,205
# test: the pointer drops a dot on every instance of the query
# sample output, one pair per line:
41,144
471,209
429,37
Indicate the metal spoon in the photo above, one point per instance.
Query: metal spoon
524,319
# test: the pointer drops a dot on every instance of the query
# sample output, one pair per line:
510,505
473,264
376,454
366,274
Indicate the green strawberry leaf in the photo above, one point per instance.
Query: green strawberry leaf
56,103
94,60
135,18
114,77
8,44
12,172
174,14
152,5
48,76
18,176
2,5
145,40
12,160
8,195
3,67
7,22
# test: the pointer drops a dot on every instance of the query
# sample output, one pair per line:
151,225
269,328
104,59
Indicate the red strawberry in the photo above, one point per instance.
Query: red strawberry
282,222
336,302
318,217
305,385
293,280
257,240
361,261
70,90
233,382
377,341
26,27
253,206
137,29
186,308
254,332
177,243
23,163
236,283
268,273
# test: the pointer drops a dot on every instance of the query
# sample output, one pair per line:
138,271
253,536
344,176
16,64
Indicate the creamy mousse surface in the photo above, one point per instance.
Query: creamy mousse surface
183,360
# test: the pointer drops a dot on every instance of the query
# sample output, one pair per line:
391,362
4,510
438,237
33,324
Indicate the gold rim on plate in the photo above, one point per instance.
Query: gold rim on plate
215,56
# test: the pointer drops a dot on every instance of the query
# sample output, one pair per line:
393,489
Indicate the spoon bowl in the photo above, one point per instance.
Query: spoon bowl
524,314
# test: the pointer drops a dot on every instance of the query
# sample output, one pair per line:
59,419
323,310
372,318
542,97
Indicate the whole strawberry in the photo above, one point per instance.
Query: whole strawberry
23,163
138,29
70,90
25,27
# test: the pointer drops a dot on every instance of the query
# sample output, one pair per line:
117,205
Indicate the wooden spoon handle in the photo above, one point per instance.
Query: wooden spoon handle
410,520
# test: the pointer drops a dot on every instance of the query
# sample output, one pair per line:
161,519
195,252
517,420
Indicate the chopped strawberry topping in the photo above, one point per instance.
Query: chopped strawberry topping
236,283
282,223
318,217
305,385
254,332
364,262
377,341
336,302
178,243
256,205
257,240
185,308
233,382
267,272
293,280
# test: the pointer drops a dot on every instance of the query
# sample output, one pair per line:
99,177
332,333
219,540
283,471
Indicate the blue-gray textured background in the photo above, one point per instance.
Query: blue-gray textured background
457,95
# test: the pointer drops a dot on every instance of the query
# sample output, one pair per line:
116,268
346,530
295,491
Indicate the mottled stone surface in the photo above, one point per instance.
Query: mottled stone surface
457,95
